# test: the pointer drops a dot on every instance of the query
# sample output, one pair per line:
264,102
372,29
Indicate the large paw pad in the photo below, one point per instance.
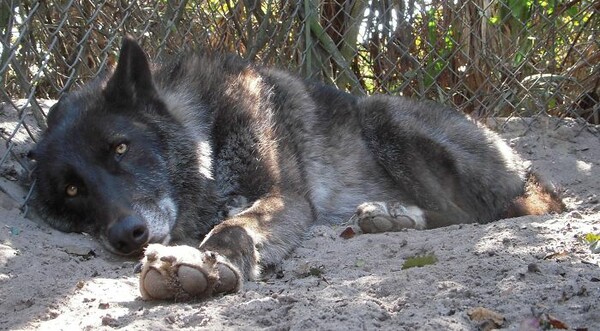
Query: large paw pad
183,273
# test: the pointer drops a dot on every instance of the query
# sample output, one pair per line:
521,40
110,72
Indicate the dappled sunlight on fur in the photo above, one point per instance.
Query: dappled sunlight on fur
245,159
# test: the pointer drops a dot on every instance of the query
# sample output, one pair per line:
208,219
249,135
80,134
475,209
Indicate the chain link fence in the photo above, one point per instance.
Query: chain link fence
488,58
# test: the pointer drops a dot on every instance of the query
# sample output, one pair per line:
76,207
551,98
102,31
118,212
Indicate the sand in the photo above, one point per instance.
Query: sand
526,273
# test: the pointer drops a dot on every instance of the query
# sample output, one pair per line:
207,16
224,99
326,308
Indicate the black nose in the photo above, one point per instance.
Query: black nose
128,235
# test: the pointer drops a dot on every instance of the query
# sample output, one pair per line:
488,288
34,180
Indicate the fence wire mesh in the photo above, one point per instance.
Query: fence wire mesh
499,58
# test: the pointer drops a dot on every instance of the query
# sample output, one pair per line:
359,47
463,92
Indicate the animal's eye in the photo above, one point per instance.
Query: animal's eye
71,190
121,148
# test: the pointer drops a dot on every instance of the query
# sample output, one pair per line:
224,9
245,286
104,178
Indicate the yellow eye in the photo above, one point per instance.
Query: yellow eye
71,190
121,148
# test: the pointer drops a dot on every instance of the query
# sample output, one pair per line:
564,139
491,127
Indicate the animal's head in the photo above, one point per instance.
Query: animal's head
101,166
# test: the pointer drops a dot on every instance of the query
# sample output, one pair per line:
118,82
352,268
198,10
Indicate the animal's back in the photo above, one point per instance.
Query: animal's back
338,150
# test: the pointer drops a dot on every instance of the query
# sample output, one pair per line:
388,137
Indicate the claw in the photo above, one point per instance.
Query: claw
151,256
168,259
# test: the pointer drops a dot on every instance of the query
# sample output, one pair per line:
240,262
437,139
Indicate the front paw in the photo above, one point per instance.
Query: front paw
183,273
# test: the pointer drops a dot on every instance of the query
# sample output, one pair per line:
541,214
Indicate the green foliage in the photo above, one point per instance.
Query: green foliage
591,238
419,261
459,51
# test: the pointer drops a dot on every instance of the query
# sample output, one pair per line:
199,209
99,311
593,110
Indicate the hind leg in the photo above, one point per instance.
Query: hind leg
377,217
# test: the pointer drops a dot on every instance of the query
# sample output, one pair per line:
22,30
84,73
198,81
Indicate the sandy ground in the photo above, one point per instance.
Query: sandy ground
528,273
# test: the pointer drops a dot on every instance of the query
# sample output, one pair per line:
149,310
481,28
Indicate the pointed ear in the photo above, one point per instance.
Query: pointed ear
132,79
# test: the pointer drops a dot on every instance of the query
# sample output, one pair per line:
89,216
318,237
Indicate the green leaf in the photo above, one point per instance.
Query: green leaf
592,237
419,261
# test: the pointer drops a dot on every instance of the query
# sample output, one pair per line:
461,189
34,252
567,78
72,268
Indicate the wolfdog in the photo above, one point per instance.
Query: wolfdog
244,159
